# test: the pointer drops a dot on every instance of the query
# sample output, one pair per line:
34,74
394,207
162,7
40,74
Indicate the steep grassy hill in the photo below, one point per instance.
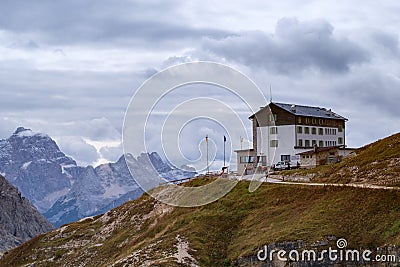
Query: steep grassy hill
377,163
145,232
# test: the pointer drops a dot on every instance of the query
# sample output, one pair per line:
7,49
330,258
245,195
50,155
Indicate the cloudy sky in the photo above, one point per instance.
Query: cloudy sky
70,68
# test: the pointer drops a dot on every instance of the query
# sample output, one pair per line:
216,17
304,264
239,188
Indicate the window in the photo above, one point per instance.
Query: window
314,121
321,122
321,144
246,159
299,129
313,142
285,157
307,130
340,129
273,143
273,130
314,130
320,131
307,143
330,131
299,120
262,159
300,142
272,117
307,120
340,141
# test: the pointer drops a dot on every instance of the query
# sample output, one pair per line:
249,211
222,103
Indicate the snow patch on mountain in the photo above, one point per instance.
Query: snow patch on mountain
26,165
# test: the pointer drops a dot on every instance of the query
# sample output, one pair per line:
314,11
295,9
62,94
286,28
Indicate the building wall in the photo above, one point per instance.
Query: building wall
243,166
255,125
308,161
286,143
288,140
319,158
322,157
287,136
332,138
263,116
344,153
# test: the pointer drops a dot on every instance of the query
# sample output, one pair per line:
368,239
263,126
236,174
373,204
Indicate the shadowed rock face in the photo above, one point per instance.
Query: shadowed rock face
19,219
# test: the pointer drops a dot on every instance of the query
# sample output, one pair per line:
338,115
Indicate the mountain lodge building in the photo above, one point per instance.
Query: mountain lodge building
281,132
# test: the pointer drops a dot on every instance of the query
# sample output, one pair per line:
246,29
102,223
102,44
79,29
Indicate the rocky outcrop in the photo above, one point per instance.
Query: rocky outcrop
19,219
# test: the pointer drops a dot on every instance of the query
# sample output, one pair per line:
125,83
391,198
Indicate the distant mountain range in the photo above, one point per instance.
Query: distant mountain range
62,190
19,219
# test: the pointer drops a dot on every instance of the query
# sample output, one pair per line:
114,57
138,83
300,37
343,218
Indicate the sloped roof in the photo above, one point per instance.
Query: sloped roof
308,111
318,150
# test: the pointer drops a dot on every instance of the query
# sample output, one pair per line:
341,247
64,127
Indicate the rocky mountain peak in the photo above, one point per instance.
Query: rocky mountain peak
30,160
21,129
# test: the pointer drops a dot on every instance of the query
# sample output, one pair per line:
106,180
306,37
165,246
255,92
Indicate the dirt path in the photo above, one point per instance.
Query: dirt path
262,178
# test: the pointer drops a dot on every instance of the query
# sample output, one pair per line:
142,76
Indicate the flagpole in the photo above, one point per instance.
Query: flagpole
224,149
208,168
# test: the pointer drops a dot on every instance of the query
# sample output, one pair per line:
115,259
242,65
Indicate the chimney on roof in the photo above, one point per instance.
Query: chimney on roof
294,108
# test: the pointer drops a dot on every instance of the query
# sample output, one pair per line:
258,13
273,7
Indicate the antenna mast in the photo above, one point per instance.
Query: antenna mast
270,94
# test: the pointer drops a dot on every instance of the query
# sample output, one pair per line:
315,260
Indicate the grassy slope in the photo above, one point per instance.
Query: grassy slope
234,226
376,163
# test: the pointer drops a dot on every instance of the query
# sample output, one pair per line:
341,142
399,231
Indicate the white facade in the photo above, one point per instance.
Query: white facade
282,131
321,136
245,160
282,143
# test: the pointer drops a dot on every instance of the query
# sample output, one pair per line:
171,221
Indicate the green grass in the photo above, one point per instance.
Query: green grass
232,227
376,163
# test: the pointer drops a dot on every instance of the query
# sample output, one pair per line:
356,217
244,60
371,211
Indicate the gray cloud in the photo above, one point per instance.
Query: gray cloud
387,41
111,154
29,45
78,149
66,96
73,22
97,129
370,91
294,47
69,68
